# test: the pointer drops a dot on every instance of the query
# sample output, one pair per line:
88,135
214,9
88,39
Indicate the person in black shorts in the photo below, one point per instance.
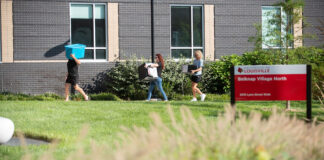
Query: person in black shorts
196,76
72,78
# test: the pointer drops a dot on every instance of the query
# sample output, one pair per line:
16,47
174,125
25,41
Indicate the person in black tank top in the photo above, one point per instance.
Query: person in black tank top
72,78
157,82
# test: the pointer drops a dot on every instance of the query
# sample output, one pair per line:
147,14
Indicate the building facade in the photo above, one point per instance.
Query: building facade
34,33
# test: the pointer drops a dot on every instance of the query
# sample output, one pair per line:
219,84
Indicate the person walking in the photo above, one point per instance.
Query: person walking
159,65
196,76
72,78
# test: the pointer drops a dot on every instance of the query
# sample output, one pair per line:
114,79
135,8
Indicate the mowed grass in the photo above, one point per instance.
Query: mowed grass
64,120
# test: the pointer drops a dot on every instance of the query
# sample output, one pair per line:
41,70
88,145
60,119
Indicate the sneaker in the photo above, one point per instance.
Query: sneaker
194,100
147,100
87,98
203,96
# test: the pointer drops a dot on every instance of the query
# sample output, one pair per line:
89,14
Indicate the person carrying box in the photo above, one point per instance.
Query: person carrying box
72,77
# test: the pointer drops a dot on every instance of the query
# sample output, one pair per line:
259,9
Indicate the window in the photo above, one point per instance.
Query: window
88,27
0,38
274,22
186,30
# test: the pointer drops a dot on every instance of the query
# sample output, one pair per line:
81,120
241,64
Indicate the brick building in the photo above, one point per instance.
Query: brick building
34,32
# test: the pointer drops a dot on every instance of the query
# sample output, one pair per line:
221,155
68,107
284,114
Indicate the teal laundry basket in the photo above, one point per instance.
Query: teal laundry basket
76,49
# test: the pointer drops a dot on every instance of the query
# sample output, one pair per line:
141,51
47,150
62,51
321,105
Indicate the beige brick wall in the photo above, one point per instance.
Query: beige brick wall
209,32
298,31
113,34
6,31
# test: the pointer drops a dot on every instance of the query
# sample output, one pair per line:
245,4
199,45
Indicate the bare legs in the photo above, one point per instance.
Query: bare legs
67,87
195,89
77,88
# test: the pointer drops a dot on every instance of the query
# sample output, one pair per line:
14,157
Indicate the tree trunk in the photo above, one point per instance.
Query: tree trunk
288,105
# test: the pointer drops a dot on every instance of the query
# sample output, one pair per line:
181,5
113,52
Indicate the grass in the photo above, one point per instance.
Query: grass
63,121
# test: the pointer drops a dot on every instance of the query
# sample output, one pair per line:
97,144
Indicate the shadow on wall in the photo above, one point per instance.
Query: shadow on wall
56,50
98,85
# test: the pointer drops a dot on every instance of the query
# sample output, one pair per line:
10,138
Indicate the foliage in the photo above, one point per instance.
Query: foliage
52,97
96,97
220,70
6,96
244,137
104,97
123,80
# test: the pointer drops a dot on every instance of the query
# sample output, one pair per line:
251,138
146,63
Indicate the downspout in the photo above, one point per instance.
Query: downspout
152,30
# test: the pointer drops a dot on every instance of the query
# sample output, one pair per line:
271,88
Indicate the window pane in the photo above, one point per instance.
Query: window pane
100,12
82,24
271,27
81,11
197,26
100,26
100,54
181,53
181,26
88,54
285,22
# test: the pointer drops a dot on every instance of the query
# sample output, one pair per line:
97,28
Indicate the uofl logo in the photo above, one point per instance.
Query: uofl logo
240,70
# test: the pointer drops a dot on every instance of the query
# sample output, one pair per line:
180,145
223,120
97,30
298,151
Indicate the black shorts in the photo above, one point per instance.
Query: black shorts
195,78
73,80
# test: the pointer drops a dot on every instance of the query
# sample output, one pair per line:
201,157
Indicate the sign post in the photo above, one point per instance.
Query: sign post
272,83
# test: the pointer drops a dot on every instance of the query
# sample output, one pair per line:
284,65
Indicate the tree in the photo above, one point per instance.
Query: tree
279,30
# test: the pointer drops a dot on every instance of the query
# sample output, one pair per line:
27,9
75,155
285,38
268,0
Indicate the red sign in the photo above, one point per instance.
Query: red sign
270,82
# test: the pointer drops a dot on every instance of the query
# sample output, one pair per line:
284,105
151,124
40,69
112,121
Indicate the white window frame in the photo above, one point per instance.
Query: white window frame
281,28
94,48
192,47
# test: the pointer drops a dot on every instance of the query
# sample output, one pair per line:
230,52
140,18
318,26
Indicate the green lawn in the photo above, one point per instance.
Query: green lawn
63,120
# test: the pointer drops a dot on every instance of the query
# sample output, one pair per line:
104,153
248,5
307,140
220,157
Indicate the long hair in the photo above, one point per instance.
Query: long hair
198,54
160,59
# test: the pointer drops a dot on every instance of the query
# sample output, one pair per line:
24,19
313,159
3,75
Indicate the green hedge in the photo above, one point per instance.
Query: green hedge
24,97
124,82
220,70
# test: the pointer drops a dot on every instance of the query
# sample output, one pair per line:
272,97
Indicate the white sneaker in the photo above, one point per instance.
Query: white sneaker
203,96
194,100
87,98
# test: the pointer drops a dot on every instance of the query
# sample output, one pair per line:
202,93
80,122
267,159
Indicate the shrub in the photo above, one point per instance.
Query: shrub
6,96
219,72
123,80
104,97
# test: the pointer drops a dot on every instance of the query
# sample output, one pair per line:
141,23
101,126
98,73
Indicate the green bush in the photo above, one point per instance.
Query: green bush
123,80
104,97
6,96
219,72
